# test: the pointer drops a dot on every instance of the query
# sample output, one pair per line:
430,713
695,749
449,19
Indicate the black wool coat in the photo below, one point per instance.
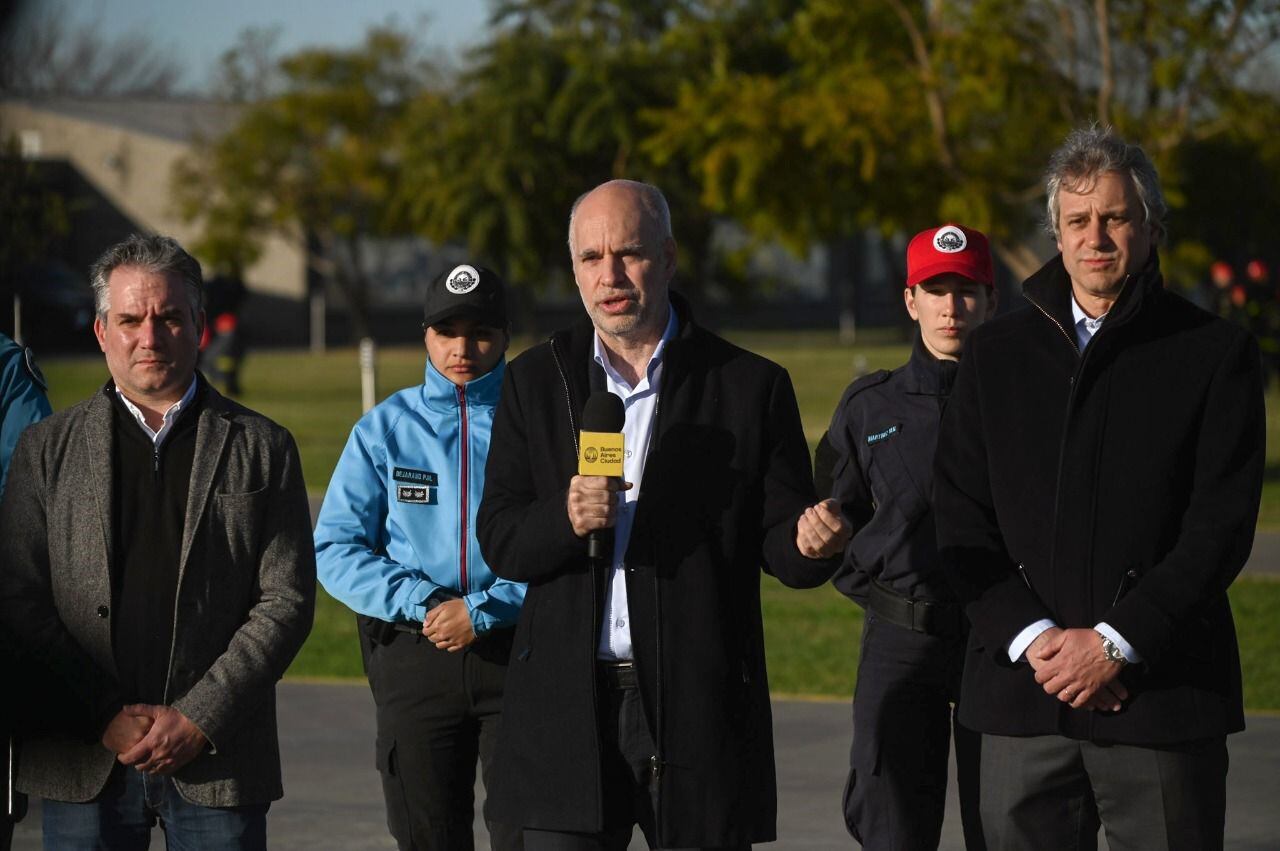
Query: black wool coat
1117,486
726,480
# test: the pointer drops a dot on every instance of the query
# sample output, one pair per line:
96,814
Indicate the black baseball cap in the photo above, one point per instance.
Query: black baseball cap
470,291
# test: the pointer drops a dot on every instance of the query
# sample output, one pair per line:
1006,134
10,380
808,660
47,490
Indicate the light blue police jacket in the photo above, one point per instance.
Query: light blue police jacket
398,520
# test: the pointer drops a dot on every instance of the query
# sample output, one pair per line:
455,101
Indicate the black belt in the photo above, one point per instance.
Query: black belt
928,616
617,675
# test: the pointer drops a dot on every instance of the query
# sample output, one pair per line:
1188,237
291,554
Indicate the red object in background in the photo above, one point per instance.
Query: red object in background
1257,271
225,323
1221,274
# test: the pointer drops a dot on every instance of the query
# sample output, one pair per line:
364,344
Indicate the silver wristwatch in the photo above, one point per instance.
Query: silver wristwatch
1112,652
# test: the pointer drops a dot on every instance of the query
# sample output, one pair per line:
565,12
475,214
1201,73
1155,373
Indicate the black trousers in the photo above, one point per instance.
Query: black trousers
437,712
903,717
626,773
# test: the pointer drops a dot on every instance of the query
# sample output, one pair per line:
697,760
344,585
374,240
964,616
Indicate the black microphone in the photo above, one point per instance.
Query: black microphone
600,454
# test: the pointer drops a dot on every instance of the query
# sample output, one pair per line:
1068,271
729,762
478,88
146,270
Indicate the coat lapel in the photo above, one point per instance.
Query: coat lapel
99,440
212,431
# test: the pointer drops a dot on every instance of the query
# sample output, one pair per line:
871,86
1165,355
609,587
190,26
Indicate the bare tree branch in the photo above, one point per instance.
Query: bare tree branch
1106,85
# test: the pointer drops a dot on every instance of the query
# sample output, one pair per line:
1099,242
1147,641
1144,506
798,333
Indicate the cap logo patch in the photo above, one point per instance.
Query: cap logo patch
463,279
950,240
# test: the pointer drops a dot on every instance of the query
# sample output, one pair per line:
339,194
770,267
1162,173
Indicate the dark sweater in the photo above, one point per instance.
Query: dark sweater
150,507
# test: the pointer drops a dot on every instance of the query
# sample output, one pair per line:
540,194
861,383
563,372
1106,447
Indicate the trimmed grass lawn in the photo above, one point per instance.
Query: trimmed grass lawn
812,636
812,639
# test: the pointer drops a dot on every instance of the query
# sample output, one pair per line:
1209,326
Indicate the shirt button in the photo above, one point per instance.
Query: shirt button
621,623
103,611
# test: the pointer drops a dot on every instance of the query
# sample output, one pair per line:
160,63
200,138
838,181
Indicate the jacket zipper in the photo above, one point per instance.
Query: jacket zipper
463,513
656,762
1066,421
595,602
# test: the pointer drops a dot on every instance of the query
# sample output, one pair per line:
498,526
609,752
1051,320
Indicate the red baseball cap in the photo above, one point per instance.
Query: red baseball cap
949,249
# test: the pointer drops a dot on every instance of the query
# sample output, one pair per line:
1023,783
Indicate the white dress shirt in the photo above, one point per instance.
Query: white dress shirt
641,405
170,416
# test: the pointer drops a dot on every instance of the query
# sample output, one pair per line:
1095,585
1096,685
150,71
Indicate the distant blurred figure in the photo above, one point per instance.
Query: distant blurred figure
22,402
1221,279
1263,306
222,345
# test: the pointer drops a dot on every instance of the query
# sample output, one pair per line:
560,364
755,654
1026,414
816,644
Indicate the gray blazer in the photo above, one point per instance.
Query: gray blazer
245,600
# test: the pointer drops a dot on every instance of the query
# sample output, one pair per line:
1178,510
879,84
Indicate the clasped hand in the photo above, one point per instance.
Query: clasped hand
1069,664
153,739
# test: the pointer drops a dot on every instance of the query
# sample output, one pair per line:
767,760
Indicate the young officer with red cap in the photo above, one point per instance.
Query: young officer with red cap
877,457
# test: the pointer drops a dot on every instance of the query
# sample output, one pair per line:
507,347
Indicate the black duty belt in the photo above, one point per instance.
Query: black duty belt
617,675
928,616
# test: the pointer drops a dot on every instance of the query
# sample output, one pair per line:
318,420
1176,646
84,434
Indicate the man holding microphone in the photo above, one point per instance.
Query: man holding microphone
637,692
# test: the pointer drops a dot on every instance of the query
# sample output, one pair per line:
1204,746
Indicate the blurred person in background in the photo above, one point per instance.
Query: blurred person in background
222,345
395,541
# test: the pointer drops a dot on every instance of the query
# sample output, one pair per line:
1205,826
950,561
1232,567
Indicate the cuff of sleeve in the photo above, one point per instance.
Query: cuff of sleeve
1107,631
480,622
1023,640
415,608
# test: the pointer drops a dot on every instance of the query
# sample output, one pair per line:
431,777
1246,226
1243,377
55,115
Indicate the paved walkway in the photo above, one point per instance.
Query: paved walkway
334,801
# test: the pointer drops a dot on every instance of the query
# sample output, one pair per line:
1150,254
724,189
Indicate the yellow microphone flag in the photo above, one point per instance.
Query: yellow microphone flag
601,454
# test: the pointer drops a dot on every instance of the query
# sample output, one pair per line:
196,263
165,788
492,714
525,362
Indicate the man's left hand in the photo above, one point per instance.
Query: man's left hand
448,626
1076,671
822,530
172,742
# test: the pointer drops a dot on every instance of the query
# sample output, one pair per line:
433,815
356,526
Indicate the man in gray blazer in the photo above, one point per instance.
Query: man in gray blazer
160,577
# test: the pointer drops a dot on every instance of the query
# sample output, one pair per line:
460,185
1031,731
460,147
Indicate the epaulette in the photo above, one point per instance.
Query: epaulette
29,361
871,379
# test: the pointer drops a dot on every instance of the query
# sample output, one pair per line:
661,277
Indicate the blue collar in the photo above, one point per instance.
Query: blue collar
440,392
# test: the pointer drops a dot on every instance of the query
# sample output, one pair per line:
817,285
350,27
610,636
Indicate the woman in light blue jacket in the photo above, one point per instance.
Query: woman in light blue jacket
395,541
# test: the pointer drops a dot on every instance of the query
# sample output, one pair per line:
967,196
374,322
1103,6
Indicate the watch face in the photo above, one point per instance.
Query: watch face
1112,651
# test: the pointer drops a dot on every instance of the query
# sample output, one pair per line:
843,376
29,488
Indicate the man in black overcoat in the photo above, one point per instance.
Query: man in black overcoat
1097,486
637,692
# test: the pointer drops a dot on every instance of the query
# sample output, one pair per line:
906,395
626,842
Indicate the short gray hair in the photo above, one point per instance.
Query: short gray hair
161,255
1092,151
652,201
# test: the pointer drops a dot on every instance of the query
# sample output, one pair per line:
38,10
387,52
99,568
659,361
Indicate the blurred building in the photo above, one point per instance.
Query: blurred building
110,160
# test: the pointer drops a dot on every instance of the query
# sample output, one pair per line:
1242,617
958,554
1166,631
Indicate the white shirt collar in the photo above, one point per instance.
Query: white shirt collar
601,355
1086,325
1078,314
170,416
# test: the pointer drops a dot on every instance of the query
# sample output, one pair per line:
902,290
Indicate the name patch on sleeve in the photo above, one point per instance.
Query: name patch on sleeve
873,439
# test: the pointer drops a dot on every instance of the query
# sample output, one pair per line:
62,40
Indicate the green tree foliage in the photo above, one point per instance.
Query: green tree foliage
318,162
805,121
898,114
550,106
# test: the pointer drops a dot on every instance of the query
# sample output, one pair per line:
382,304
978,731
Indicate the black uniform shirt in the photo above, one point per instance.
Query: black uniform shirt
877,459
